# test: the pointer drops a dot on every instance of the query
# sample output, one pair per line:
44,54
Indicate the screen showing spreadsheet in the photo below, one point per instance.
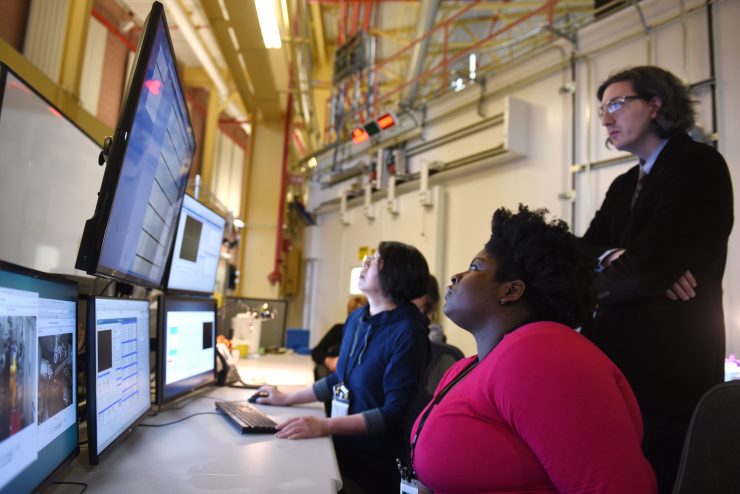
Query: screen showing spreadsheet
118,360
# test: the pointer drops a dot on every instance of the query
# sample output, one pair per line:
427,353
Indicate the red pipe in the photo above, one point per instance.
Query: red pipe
275,276
442,24
355,18
470,49
113,30
342,22
366,19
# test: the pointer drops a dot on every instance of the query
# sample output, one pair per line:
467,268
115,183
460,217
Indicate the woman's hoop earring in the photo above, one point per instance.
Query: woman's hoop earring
502,302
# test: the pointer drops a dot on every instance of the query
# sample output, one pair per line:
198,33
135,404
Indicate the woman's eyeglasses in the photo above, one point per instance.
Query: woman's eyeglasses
368,260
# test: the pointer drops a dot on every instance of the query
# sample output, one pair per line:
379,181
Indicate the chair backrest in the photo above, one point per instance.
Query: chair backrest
711,454
442,357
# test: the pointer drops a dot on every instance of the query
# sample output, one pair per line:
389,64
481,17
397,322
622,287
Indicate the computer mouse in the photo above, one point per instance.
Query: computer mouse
258,394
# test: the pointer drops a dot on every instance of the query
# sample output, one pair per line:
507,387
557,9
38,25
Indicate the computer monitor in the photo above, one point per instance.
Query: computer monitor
37,179
38,401
186,342
118,378
130,235
196,250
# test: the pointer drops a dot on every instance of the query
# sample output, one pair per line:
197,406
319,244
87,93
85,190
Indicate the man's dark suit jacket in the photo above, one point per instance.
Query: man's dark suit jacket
670,351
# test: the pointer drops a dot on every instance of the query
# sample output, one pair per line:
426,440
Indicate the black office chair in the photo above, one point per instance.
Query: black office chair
710,462
442,357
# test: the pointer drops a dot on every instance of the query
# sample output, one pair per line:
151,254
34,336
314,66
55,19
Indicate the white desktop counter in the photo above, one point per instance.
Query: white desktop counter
206,453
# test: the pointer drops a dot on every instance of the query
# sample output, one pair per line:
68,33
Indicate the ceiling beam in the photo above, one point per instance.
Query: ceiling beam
317,23
246,26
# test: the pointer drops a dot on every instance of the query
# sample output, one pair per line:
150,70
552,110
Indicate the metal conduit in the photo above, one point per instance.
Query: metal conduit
427,15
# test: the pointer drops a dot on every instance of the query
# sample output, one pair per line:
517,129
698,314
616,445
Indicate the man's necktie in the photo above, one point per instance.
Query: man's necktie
638,187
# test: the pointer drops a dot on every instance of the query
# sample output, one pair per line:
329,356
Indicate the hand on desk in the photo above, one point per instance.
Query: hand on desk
303,428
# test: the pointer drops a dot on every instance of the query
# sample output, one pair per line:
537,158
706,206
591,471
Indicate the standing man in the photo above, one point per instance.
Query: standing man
661,240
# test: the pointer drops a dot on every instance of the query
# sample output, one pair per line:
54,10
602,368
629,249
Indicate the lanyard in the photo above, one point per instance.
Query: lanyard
437,399
359,325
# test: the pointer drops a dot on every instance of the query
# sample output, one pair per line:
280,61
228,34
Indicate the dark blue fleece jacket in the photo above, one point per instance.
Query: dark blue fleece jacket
381,361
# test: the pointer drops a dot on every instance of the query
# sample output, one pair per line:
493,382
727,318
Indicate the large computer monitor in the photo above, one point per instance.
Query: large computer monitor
130,235
38,401
196,250
37,179
118,384
186,346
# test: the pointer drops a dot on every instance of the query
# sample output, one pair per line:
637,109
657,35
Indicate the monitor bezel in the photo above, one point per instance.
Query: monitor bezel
95,230
75,451
170,259
95,456
7,69
160,387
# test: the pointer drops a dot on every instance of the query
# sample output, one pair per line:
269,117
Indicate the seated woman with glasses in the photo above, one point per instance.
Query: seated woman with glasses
540,408
384,351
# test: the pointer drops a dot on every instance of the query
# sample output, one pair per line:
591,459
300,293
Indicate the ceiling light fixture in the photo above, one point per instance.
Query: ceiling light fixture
224,11
268,23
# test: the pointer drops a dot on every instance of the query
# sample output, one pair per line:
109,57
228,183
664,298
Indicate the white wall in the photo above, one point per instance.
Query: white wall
538,178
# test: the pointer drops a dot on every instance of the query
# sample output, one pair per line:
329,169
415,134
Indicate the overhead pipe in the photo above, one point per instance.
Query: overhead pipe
428,73
427,16
113,29
187,29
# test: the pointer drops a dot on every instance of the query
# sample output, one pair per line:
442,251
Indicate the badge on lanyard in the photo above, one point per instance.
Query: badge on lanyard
409,486
340,402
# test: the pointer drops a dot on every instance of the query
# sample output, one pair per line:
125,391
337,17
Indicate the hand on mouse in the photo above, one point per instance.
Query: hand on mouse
257,395
269,395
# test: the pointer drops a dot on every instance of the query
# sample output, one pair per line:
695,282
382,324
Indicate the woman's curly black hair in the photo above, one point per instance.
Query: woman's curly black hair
543,254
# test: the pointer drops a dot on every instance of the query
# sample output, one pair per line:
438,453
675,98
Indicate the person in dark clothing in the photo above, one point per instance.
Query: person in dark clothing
429,305
384,351
660,238
326,353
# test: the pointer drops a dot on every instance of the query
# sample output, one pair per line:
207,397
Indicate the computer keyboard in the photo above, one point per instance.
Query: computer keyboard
247,418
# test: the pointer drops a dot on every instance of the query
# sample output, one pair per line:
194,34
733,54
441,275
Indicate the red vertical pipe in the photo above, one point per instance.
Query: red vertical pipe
342,22
275,276
366,18
356,18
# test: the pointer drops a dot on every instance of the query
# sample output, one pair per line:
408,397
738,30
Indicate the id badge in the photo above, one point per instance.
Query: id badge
409,486
340,402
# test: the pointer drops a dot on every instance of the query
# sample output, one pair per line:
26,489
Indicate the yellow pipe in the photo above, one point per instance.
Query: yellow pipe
74,46
209,139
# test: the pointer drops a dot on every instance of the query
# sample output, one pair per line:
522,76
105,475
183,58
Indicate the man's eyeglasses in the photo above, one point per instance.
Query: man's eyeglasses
368,260
615,105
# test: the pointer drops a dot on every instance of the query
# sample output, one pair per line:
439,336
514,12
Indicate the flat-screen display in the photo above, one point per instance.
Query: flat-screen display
118,384
197,249
130,235
37,179
186,337
38,401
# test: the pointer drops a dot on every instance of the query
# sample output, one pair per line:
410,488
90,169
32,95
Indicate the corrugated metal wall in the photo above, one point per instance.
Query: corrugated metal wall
47,25
92,66
228,172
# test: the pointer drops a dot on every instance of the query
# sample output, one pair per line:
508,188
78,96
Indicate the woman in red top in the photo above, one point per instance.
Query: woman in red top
540,409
